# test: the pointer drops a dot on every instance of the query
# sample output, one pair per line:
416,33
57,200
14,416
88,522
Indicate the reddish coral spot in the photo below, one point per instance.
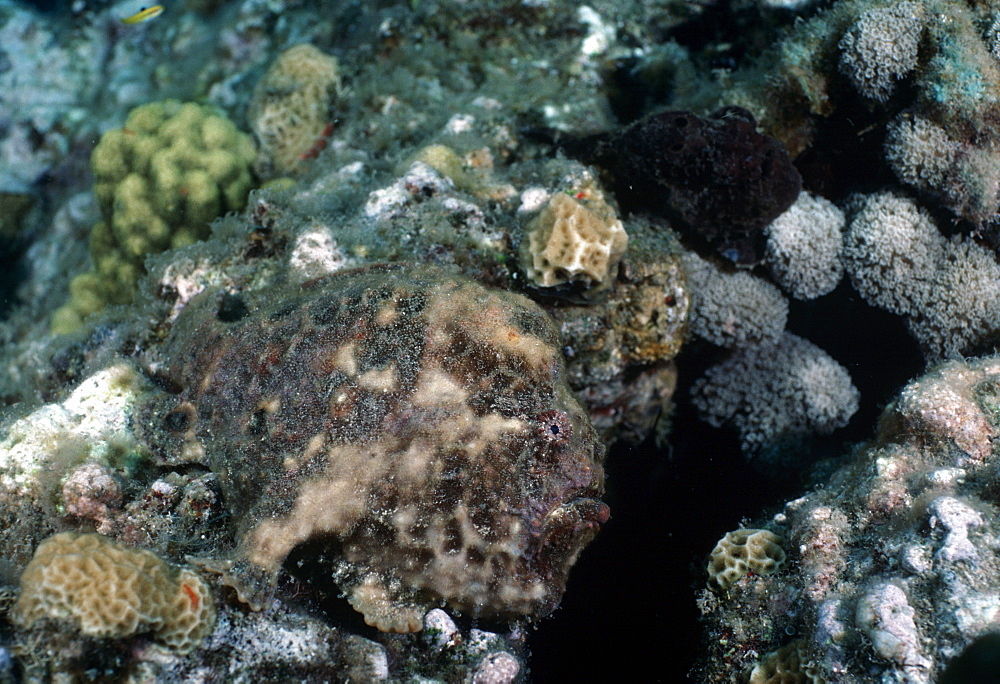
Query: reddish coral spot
192,594
581,195
319,145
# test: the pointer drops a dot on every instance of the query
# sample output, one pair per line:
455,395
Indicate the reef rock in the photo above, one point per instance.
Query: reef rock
415,425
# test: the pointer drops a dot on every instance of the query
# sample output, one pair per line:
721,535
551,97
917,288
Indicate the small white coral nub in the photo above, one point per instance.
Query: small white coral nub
111,591
572,240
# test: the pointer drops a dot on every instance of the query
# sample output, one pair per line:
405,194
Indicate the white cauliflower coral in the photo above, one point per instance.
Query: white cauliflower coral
733,309
899,261
803,247
891,250
882,47
776,396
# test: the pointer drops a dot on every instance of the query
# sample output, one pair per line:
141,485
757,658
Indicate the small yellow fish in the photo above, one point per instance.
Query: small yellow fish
144,14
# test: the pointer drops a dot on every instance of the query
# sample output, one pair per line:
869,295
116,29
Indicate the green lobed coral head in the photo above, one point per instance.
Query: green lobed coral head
160,180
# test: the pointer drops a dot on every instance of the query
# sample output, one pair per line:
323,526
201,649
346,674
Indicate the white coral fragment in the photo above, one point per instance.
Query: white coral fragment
574,241
93,415
316,253
886,617
957,518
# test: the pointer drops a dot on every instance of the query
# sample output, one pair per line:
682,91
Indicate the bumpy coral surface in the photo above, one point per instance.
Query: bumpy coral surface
777,396
790,664
881,48
290,109
743,551
804,246
112,591
159,181
898,260
733,309
417,418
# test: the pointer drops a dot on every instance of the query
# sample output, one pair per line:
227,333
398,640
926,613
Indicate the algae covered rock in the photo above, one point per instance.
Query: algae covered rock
415,420
159,181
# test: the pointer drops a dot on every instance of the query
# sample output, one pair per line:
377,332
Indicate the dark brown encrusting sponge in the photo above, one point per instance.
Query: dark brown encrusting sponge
717,176
416,418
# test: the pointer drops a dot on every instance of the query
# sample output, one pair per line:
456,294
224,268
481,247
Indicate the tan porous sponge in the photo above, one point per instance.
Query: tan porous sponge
290,109
744,551
112,591
574,240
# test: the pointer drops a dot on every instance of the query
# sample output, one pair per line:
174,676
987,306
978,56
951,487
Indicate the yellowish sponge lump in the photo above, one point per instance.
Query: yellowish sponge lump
574,240
743,551
112,591
290,110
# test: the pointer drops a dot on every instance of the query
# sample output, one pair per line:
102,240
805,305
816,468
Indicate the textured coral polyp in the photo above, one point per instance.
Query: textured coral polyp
290,109
743,551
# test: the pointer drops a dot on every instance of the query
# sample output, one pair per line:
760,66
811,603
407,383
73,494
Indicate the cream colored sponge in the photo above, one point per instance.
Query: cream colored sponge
290,109
743,551
572,240
111,591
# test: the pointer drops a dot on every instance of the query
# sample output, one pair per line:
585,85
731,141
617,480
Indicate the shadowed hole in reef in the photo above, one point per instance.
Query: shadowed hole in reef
634,588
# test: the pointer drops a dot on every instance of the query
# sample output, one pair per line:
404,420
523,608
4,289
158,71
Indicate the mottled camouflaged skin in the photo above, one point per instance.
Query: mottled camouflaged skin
417,417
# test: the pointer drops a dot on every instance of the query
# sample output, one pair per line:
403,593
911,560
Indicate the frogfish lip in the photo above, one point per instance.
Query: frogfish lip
567,529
